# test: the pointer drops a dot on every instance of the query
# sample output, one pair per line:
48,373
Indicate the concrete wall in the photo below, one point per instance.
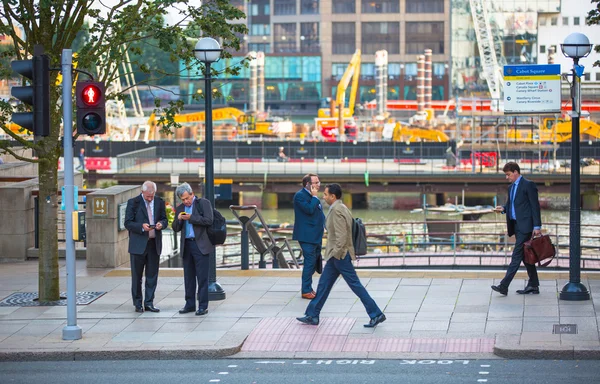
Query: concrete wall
17,228
106,245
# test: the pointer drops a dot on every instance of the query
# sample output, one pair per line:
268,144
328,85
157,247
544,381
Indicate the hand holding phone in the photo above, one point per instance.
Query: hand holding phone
151,226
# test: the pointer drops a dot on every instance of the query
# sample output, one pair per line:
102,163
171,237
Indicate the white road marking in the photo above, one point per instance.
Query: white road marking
214,381
232,366
484,365
270,362
223,373
482,381
484,373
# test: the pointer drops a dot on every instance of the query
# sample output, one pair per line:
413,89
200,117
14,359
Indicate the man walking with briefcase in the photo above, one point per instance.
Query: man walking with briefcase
523,220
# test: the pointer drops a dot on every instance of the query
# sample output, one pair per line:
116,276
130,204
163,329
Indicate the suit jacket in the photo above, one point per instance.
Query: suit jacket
136,215
200,223
308,218
527,208
339,232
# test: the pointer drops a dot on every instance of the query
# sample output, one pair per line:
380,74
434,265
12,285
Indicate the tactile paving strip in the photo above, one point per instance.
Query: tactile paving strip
29,299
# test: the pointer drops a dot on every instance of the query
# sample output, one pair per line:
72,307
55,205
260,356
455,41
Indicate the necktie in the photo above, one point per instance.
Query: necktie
152,233
513,192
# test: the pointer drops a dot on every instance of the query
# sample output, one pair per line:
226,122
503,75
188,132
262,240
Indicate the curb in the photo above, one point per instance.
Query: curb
134,354
531,352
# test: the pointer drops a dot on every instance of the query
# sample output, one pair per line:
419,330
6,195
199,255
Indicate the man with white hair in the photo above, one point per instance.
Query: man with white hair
145,218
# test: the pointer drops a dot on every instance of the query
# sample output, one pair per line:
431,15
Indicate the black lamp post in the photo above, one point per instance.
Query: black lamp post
576,46
208,51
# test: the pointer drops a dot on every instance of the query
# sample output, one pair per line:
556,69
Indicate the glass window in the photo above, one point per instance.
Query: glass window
554,20
344,6
587,76
565,21
380,6
367,71
394,71
410,92
393,93
337,70
343,38
378,36
285,37
292,67
424,35
309,7
542,49
424,6
439,70
311,69
260,29
272,92
273,67
576,21
285,7
410,70
542,21
597,76
258,47
309,37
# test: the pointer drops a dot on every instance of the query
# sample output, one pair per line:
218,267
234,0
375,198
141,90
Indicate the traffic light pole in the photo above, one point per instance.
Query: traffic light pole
71,331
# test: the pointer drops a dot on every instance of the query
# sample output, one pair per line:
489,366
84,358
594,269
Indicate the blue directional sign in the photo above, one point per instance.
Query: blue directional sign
532,89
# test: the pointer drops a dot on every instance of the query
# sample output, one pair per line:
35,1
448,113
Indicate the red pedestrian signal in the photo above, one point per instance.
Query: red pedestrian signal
91,113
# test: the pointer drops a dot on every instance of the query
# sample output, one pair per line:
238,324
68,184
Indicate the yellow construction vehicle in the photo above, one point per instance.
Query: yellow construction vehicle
413,134
552,130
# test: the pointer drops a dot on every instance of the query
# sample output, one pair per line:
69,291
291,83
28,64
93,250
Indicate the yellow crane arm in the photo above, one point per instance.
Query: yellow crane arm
352,72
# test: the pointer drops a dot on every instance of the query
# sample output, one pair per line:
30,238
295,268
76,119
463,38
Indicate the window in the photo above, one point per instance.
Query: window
393,71
378,36
284,37
239,4
309,37
439,70
260,8
554,20
424,6
343,38
410,70
576,21
337,70
260,30
259,47
597,76
380,6
309,7
565,21
542,21
542,49
425,35
285,7
367,71
587,76
344,6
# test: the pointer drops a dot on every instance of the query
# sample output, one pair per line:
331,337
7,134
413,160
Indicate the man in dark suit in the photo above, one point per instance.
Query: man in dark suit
523,220
145,218
309,222
339,254
192,218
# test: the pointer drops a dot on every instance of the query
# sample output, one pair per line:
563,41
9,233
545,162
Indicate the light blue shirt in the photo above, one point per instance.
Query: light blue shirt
189,229
513,193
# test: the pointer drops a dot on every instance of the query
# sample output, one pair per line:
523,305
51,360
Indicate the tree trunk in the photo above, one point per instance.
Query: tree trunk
48,276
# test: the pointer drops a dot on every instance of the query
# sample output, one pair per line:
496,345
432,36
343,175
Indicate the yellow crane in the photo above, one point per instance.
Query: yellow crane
352,73
551,129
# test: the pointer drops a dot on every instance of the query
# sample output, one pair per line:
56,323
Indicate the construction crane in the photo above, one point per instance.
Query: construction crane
487,47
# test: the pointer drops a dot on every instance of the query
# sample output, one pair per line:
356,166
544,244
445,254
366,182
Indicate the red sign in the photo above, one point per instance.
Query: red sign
91,95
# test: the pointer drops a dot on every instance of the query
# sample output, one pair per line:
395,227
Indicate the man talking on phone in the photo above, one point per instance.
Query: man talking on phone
309,222
145,218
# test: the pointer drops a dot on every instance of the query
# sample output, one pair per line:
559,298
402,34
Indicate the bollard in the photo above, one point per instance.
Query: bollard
244,244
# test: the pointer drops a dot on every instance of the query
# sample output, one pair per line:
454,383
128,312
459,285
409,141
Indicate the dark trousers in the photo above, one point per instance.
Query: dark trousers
334,268
309,252
149,260
517,258
195,270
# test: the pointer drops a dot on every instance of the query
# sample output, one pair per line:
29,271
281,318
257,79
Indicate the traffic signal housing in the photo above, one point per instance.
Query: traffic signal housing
91,109
37,94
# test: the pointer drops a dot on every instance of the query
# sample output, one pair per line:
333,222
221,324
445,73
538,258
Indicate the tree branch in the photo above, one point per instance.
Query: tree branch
19,157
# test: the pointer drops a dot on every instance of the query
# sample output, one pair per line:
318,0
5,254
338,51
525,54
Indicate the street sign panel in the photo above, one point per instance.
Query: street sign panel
532,89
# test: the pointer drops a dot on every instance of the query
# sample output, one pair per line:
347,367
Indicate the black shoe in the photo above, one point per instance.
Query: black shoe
201,312
139,309
529,289
186,310
500,289
308,320
151,308
376,320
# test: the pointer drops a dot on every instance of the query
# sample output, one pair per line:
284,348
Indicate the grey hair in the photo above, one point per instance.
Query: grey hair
182,188
149,186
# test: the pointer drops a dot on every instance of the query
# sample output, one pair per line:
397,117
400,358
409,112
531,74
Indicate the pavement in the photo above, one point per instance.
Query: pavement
431,314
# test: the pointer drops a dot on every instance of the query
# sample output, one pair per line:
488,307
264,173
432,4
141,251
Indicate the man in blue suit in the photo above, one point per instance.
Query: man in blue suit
309,222
523,220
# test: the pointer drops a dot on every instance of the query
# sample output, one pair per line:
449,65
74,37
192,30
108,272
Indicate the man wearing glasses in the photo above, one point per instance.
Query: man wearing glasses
309,222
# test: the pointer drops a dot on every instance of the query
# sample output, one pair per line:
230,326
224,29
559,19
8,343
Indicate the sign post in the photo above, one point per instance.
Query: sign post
532,89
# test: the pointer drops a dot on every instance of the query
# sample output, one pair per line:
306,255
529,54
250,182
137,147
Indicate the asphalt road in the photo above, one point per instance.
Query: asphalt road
273,371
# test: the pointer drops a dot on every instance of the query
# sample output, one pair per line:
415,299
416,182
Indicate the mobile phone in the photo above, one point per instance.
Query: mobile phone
152,226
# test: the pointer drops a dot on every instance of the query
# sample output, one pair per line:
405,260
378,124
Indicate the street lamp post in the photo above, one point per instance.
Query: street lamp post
174,184
575,46
208,51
